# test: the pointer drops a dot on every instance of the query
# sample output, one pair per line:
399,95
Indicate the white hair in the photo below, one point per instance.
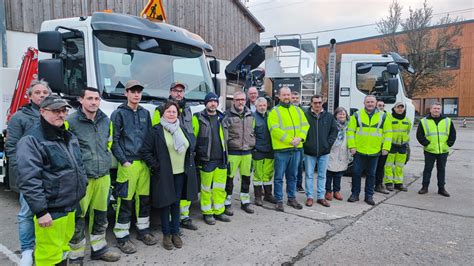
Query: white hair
36,82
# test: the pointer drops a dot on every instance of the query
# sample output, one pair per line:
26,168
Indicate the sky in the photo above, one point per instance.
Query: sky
306,16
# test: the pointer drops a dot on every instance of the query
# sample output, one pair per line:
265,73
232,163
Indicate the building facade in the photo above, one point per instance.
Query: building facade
457,100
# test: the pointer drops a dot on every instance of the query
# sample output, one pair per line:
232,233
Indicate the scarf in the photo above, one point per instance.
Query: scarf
341,134
178,137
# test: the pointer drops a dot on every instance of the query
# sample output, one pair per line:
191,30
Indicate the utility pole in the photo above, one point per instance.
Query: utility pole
331,75
3,34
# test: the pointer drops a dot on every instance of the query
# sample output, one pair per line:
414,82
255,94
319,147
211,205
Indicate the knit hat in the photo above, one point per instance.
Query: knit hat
211,96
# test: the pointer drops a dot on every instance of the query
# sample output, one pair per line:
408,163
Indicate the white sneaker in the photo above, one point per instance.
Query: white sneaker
26,258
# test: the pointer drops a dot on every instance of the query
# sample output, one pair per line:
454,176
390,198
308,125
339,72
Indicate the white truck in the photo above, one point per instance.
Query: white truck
106,50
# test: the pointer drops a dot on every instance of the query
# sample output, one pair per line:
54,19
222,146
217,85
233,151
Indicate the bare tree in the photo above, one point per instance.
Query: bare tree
423,43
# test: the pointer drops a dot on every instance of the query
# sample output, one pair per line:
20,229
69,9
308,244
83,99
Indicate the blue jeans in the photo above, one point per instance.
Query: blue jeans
286,163
369,164
310,164
170,214
26,226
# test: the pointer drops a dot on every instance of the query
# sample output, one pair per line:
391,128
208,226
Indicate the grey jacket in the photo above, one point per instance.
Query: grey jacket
51,174
239,129
19,123
129,130
94,137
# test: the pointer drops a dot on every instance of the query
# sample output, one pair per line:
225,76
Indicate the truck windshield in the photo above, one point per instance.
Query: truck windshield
119,60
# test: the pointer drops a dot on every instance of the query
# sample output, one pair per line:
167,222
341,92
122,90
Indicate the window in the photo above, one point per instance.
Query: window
428,103
450,106
374,81
452,58
74,61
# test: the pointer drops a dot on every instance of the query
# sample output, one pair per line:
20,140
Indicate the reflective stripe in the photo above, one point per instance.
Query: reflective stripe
350,137
205,188
267,183
280,121
272,127
283,137
122,226
143,223
206,207
98,242
257,183
218,185
77,250
218,206
228,200
121,233
399,164
244,198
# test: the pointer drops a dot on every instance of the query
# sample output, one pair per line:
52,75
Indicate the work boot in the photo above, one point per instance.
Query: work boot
108,256
177,242
423,190
127,247
337,195
268,194
187,223
328,195
209,219
258,190
222,217
279,207
246,208
293,203
147,239
381,189
309,202
323,202
443,192
228,210
370,201
353,198
389,186
401,187
167,242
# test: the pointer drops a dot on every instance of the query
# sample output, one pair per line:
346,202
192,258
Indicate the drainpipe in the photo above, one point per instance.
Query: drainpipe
3,33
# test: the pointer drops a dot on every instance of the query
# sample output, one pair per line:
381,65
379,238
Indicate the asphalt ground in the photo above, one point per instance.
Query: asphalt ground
402,228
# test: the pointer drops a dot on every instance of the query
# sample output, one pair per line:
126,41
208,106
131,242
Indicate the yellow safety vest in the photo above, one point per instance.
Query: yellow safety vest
400,130
369,134
285,124
437,135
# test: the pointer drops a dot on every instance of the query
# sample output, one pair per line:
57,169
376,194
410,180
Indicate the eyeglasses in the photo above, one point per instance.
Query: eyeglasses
316,102
58,111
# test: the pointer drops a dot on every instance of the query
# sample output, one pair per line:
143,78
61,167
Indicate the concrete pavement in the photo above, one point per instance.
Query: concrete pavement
402,228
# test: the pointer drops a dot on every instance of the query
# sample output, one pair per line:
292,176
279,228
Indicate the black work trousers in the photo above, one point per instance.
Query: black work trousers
430,159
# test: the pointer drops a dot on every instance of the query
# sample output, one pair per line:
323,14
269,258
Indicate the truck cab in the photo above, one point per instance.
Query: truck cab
106,50
376,74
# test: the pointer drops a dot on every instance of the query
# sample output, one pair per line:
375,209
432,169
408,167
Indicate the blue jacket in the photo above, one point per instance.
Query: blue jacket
129,130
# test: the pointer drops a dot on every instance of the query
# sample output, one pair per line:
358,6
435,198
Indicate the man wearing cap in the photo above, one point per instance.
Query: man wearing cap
239,125
93,129
397,157
130,125
52,179
177,91
19,123
437,134
211,157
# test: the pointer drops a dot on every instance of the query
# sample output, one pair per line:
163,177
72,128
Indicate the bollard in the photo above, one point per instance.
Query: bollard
464,123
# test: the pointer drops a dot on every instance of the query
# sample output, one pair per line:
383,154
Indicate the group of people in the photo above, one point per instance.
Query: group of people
62,162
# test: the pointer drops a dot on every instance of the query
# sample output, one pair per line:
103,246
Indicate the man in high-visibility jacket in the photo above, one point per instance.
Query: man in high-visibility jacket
211,157
177,90
396,159
436,133
369,133
288,129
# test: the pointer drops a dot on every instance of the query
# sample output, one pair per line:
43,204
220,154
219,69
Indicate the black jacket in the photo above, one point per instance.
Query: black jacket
321,134
51,174
420,133
263,142
129,130
156,155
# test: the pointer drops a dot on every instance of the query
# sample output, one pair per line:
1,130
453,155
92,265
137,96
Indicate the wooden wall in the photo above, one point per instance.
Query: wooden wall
222,23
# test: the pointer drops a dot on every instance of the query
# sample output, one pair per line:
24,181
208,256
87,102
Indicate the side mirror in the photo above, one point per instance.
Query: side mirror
392,68
51,70
50,42
217,86
392,86
215,66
